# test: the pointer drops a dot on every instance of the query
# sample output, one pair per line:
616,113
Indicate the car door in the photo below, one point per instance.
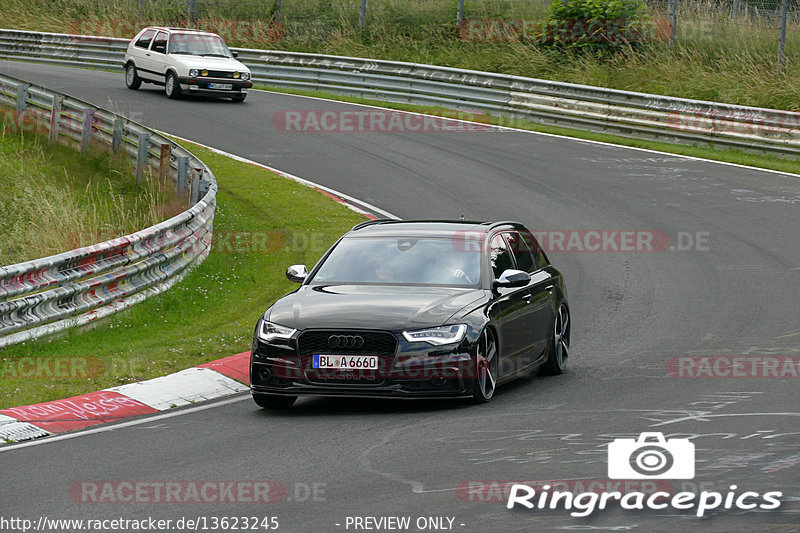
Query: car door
540,308
140,53
509,310
156,57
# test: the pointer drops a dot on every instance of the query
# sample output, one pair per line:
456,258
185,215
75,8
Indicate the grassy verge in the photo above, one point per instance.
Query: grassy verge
729,156
55,199
718,55
263,224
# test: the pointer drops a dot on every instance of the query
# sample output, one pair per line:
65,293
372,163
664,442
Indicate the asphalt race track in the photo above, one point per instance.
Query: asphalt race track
734,294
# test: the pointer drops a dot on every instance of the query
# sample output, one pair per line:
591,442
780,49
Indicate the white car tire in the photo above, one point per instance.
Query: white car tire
132,79
172,87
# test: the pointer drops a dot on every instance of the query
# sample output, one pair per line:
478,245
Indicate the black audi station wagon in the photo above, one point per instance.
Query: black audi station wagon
414,309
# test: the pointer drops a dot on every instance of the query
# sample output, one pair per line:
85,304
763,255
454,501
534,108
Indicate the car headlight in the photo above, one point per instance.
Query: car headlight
437,336
193,73
270,331
245,76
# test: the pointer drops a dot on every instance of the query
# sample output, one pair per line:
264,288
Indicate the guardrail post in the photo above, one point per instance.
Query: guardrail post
673,19
277,10
183,175
194,196
191,10
116,138
460,15
86,128
202,188
22,95
141,156
362,19
163,162
55,117
782,40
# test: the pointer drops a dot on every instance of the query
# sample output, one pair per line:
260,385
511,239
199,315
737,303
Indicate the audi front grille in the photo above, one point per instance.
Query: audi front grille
335,342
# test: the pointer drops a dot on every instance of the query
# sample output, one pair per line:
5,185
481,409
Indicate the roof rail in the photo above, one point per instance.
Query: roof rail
371,223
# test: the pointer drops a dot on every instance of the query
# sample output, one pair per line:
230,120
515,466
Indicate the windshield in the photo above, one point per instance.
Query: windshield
198,45
400,260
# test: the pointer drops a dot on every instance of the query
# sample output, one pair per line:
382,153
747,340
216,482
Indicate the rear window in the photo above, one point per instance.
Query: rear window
145,38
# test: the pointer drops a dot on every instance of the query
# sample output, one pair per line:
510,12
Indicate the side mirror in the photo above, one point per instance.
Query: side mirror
512,278
297,273
235,54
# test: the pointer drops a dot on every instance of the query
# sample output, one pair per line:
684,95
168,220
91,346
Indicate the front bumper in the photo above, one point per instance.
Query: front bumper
414,371
200,86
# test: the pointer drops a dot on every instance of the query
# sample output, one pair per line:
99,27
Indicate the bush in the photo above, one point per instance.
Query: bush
602,24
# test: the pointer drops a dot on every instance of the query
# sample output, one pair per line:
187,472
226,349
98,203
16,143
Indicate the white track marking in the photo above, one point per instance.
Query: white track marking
292,177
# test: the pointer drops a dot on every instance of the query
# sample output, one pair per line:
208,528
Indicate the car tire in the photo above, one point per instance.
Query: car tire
558,348
132,79
172,86
484,382
239,98
269,401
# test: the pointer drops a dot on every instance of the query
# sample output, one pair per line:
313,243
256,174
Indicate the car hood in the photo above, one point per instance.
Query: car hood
371,306
211,63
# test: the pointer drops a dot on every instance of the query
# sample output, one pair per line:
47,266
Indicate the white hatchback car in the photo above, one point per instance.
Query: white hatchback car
185,61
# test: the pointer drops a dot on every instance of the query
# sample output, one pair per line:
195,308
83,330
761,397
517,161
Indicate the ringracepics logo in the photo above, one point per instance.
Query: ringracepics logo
653,459
649,456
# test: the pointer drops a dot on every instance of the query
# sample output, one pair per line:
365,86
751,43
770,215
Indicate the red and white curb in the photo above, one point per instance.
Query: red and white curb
208,381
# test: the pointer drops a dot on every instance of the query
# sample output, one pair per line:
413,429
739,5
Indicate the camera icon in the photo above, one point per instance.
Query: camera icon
651,457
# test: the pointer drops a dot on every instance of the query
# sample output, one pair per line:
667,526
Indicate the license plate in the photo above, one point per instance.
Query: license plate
223,86
346,362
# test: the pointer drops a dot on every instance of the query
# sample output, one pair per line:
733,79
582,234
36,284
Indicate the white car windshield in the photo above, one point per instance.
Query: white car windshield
198,45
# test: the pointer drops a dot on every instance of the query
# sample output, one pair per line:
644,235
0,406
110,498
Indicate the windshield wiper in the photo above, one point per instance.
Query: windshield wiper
214,55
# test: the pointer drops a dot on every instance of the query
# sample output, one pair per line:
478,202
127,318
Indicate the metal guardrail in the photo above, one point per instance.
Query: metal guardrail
53,293
629,114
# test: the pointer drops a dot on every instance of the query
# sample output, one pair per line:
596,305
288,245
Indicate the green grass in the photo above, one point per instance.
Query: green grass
55,199
716,57
208,315
706,152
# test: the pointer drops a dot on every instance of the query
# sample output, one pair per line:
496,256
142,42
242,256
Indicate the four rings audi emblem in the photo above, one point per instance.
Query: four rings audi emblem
345,341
